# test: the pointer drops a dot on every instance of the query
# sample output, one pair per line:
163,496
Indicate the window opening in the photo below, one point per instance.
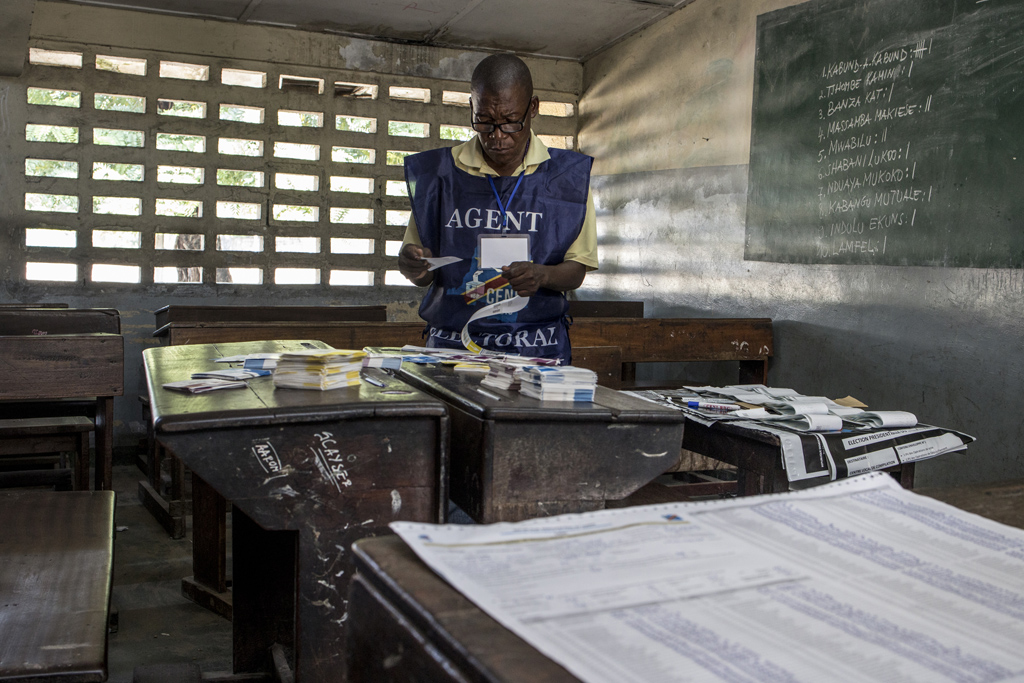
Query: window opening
184,71
115,137
49,237
241,113
351,278
116,239
243,78
121,65
71,60
359,91
312,86
50,97
117,206
39,132
132,104
407,94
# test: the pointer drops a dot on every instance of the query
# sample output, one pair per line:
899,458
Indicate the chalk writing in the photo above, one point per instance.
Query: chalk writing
329,460
267,456
864,171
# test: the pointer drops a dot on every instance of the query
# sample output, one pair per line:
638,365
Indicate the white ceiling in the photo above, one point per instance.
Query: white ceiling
570,29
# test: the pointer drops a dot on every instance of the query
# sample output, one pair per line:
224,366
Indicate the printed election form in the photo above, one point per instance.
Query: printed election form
859,580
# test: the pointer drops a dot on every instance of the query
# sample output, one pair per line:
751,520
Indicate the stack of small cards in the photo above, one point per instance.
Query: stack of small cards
557,383
320,369
502,375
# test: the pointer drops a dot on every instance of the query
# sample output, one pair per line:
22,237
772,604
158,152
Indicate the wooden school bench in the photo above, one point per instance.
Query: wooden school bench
307,473
75,368
28,446
56,560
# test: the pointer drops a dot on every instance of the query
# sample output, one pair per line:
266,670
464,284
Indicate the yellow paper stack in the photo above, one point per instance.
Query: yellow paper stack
320,369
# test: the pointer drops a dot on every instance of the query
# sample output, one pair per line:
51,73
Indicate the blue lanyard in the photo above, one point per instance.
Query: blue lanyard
504,207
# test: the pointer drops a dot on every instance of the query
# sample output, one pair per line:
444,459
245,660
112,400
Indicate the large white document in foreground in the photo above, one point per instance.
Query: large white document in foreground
858,580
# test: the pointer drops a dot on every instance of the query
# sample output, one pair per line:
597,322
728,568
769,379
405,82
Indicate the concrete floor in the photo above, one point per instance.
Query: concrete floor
155,623
158,625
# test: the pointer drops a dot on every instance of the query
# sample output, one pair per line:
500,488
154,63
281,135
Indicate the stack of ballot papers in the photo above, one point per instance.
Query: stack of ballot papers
320,369
557,383
502,375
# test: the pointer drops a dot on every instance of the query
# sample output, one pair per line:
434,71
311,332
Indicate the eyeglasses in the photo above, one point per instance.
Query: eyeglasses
508,127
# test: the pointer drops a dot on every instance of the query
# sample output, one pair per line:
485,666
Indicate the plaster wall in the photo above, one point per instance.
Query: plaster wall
667,114
105,31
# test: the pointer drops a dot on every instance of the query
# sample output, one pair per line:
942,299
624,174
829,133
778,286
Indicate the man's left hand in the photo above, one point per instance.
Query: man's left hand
525,277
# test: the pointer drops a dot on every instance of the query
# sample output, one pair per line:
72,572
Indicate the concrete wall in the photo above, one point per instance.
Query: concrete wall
106,31
667,116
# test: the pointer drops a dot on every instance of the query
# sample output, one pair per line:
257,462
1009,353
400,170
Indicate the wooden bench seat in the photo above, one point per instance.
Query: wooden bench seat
23,440
56,562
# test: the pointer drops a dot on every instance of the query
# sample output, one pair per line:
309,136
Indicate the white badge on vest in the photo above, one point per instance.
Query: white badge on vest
501,250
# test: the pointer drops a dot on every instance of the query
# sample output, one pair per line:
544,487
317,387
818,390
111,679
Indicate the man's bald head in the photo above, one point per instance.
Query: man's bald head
501,73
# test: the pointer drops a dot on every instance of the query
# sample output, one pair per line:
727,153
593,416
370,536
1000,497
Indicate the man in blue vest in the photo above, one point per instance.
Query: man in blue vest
504,181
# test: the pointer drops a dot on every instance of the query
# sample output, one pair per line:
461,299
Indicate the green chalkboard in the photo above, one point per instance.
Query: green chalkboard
889,132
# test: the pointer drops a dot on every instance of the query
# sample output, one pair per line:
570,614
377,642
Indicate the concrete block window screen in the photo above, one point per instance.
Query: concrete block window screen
147,169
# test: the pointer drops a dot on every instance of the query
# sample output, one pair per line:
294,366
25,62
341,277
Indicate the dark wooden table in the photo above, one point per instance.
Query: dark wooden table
56,563
408,624
307,473
166,500
514,457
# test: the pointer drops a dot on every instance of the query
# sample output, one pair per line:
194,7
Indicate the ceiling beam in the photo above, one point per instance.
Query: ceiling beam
445,27
249,10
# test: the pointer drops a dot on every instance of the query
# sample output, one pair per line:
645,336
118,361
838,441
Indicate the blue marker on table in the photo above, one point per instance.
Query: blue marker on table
713,407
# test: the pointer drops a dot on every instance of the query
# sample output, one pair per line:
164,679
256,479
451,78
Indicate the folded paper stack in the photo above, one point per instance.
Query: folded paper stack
502,375
557,383
320,369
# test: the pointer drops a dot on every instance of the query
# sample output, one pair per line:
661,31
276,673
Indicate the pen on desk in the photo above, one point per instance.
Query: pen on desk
713,407
374,381
488,394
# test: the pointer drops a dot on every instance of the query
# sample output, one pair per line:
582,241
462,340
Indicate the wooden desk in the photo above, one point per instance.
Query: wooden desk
307,472
42,321
168,504
408,624
54,367
516,457
55,576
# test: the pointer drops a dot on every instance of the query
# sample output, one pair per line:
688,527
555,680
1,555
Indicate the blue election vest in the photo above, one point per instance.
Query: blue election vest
453,208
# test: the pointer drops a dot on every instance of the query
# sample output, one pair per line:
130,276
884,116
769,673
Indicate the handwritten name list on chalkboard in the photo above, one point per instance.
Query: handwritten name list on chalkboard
889,132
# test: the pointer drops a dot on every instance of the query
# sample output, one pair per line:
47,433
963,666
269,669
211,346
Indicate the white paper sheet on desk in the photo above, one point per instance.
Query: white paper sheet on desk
858,580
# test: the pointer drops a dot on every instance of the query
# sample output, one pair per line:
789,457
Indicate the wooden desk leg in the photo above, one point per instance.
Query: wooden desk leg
208,586
104,443
264,593
82,462
906,477
753,372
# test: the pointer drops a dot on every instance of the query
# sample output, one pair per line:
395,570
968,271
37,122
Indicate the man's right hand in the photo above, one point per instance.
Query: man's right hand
412,265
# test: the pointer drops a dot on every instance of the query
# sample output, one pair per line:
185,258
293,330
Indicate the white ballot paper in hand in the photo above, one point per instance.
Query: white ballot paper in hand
440,261
513,305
